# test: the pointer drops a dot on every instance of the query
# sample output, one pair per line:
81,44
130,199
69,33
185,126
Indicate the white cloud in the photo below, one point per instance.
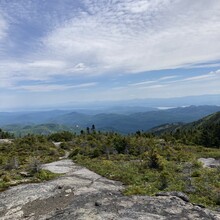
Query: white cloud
127,36
3,27
211,76
168,77
190,86
47,64
143,83
205,65
108,37
53,87
15,72
165,87
160,34
165,78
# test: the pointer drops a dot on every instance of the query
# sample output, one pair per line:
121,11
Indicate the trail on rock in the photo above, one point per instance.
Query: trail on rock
82,194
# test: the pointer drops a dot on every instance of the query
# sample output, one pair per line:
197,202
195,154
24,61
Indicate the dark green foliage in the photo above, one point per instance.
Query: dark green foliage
120,144
5,135
147,164
205,132
155,160
61,136
210,136
65,146
164,180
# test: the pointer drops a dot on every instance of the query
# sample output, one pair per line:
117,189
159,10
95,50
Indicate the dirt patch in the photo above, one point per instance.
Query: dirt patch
55,203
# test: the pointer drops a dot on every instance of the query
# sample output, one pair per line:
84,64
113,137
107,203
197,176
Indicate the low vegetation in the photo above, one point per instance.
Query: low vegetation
21,159
147,165
144,163
205,132
5,135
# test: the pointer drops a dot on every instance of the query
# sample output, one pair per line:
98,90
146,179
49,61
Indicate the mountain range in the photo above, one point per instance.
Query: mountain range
51,121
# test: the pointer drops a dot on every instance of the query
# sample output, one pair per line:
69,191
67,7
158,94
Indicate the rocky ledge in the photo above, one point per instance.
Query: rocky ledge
210,162
82,194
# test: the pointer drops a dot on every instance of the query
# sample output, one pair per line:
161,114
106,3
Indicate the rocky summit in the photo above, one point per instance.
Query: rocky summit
82,194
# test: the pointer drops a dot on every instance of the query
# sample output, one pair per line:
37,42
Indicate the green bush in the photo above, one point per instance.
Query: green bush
196,173
75,152
3,185
34,166
6,178
155,161
45,175
164,180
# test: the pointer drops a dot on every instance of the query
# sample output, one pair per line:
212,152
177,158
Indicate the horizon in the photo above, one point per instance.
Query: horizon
112,107
57,53
154,103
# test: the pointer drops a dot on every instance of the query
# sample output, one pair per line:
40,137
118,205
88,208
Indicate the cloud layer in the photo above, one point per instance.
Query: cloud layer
67,43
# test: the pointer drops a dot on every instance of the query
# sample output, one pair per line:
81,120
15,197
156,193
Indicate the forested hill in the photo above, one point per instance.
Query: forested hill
205,131
122,123
137,121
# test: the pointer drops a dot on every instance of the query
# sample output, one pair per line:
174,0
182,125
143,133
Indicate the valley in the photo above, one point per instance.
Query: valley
52,121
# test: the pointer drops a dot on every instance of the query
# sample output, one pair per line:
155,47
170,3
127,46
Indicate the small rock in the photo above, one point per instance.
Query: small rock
98,203
199,205
60,187
180,195
25,174
68,190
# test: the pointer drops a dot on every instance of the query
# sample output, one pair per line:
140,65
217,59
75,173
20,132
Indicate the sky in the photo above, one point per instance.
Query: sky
55,52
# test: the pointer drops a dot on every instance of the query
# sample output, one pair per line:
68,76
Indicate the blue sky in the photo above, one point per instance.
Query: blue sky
65,51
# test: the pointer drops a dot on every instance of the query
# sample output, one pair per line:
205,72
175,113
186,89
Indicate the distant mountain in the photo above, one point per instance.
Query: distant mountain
7,118
44,129
37,117
212,99
124,110
123,123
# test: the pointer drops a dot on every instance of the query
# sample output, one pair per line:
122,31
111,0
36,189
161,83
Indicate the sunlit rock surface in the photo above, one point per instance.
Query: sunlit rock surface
82,194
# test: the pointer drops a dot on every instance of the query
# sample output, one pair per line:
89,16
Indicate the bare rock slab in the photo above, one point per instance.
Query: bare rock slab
81,194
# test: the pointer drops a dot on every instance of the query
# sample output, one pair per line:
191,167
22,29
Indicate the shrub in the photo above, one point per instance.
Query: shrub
75,152
3,185
217,198
34,166
164,179
6,178
96,153
45,175
65,146
13,163
155,161
196,173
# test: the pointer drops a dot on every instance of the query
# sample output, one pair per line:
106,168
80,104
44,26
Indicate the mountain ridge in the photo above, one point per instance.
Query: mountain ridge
121,123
